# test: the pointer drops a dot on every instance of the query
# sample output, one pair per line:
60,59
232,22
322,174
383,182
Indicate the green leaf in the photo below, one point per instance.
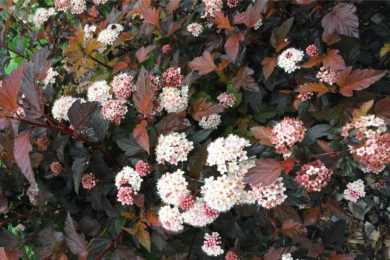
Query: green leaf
300,154
335,235
347,164
266,112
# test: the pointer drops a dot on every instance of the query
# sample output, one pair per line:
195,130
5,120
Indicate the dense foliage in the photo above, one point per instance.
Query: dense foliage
194,129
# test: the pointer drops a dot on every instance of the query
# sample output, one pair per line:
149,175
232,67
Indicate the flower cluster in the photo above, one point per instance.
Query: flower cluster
114,111
155,81
305,96
62,5
268,196
99,91
232,3
211,6
89,30
122,86
142,168
223,193
125,195
287,257
373,152
78,6
289,58
314,176
50,76
195,29
83,86
173,148
327,75
286,133
226,100
210,122
166,48
170,218
186,202
354,191
172,78
196,216
110,34
209,212
56,167
42,15
311,50
88,181
99,2
227,151
231,256
172,186
174,100
61,107
212,244
257,25
128,176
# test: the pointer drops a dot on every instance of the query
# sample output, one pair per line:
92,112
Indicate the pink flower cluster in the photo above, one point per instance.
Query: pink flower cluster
226,100
231,256
305,95
195,215
311,50
173,148
88,181
78,6
155,80
195,29
211,6
209,212
128,183
56,167
166,48
314,176
354,191
172,78
122,86
186,201
373,152
268,196
327,75
114,111
232,3
212,244
381,185
62,5
142,168
286,133
125,195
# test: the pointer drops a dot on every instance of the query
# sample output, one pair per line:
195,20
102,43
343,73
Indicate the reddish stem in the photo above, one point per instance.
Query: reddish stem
28,215
112,243
192,244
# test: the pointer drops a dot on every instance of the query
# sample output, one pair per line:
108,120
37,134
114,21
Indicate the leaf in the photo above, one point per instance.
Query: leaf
305,2
278,35
144,97
358,80
363,110
313,87
204,64
9,240
11,254
335,235
92,45
196,162
203,108
232,45
221,21
297,232
384,50
263,134
142,53
253,12
173,27
152,220
335,256
141,135
10,88
172,6
129,145
342,20
316,251
79,113
89,226
313,62
265,172
151,16
223,65
333,208
172,122
139,200
33,96
75,241
273,254
119,66
98,124
141,233
245,80
330,39
312,216
287,165
382,109
324,146
333,60
22,148
4,209
78,167
313,133
124,253
284,212
239,18
269,64
50,239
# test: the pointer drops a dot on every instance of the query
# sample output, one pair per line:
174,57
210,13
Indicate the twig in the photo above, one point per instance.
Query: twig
101,63
28,215
17,53
113,242
192,244
325,154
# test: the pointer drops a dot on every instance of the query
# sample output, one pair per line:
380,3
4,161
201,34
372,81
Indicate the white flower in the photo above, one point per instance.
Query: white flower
174,100
268,196
171,186
50,76
42,15
210,122
289,58
173,148
99,91
171,218
61,107
195,216
128,176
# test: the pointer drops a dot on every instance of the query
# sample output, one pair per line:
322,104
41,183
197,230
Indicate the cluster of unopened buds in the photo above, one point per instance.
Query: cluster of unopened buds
327,75
314,176
289,58
172,78
232,3
311,50
166,48
373,151
354,191
88,181
186,202
142,168
226,100
381,185
56,167
173,148
212,244
231,256
286,133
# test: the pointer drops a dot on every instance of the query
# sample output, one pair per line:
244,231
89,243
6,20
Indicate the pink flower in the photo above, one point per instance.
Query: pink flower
327,75
311,50
314,176
88,181
232,3
122,86
114,111
212,244
56,167
125,195
186,202
209,212
142,168
226,100
166,48
172,78
231,256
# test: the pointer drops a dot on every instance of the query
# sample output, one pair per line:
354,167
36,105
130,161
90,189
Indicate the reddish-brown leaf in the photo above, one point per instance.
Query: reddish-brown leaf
204,64
297,232
284,212
281,45
152,220
333,208
173,27
141,135
333,60
312,216
120,65
263,134
75,241
269,64
92,12
287,165
265,172
313,62
203,108
305,2
253,12
232,45
382,109
22,148
144,97
123,37
342,20
313,87
363,109
142,53
9,90
316,250
278,36
330,39
172,6
139,200
172,122
239,18
334,256
151,16
358,80
245,80
221,20
324,145
140,231
274,254
10,254
223,65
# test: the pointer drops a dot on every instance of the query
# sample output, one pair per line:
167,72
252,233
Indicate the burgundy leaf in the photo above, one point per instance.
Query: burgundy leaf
3,203
253,12
342,20
22,148
75,241
172,122
265,172
274,254
382,109
145,96
172,6
232,45
204,64
269,64
239,18
141,135
333,60
9,90
79,113
284,212
203,108
245,80
142,53
33,95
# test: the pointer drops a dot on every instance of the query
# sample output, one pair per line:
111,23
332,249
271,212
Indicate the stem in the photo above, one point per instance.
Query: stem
154,127
112,243
326,154
28,215
11,50
192,244
29,240
101,63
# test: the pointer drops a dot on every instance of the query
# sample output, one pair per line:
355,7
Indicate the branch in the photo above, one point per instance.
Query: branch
113,242
192,244
28,215
101,63
17,53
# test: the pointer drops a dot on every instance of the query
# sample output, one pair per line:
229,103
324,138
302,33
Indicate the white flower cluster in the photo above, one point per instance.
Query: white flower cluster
195,29
89,30
128,176
50,76
99,91
171,186
173,148
258,24
174,100
195,216
242,168
287,257
210,122
223,193
211,6
42,15
171,218
109,35
355,191
229,150
78,6
269,196
99,2
61,107
212,244
289,58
